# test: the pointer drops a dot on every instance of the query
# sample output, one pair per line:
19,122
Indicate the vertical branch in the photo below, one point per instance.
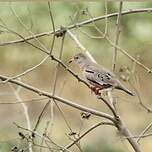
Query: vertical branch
106,19
52,20
56,72
25,109
118,30
55,82
121,125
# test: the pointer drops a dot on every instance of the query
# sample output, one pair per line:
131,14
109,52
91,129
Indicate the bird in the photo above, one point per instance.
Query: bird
98,77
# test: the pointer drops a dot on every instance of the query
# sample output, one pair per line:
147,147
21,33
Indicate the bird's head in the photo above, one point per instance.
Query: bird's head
81,59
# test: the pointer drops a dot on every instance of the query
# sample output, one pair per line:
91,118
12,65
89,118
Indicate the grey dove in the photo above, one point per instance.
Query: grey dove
97,76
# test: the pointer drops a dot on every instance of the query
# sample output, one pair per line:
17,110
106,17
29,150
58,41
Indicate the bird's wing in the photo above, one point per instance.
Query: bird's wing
102,78
99,75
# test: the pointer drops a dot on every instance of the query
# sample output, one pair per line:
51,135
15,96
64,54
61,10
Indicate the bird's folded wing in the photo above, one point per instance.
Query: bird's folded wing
99,76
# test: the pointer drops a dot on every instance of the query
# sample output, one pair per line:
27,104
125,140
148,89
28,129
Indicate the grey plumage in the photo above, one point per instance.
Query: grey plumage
98,76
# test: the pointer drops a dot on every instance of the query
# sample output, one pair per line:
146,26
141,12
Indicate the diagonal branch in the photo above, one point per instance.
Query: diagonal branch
80,45
131,11
88,131
144,131
57,98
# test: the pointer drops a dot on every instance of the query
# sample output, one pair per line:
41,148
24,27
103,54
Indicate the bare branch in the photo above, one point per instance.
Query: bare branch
142,134
88,131
118,30
80,45
25,111
131,11
109,106
47,139
125,131
23,101
67,102
24,26
118,47
52,20
28,70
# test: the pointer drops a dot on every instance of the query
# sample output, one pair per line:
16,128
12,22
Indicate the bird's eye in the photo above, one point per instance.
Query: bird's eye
75,57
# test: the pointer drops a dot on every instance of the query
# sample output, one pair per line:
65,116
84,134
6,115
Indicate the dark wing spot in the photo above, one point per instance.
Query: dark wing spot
89,71
108,76
106,86
100,76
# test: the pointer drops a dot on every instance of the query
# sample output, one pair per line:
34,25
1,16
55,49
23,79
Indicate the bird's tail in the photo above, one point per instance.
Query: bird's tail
122,87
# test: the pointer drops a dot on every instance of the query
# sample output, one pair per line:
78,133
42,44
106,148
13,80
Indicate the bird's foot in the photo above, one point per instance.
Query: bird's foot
96,90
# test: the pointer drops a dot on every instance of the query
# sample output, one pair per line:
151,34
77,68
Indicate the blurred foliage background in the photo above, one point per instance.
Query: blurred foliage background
135,37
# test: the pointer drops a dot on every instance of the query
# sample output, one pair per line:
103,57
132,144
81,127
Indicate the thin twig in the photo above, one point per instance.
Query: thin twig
44,108
80,45
119,48
67,102
55,84
139,136
87,131
24,26
144,131
51,56
123,51
130,11
106,18
118,30
23,101
147,108
28,70
25,109
47,139
109,106
52,21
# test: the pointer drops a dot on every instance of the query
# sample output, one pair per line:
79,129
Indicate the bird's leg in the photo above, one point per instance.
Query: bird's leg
96,90
92,88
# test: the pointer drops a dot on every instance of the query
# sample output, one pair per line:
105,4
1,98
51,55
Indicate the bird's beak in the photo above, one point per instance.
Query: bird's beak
71,60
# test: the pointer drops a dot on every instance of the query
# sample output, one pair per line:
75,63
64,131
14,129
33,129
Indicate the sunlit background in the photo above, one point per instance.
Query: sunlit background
135,38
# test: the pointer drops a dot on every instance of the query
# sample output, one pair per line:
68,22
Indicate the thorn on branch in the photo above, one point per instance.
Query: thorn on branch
61,32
